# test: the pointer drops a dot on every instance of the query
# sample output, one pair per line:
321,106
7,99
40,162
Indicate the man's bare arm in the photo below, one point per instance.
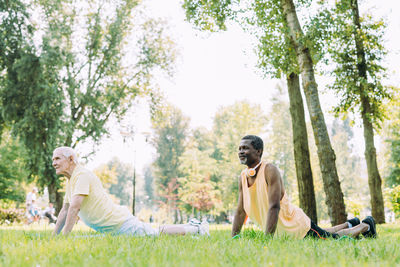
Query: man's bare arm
73,210
240,214
61,219
273,180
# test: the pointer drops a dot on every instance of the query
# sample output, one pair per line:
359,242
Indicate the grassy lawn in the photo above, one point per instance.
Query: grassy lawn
22,246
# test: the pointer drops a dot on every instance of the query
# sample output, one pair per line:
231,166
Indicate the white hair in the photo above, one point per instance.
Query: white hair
67,151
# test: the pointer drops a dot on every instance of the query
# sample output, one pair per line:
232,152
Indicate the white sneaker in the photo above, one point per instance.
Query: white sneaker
194,222
203,227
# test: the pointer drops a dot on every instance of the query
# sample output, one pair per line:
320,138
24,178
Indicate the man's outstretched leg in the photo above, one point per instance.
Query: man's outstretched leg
354,228
193,227
348,224
133,226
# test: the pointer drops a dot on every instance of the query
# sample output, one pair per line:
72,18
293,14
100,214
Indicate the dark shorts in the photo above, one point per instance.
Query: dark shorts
318,232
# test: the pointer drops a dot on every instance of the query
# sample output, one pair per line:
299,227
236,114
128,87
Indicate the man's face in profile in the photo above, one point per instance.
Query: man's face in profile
60,163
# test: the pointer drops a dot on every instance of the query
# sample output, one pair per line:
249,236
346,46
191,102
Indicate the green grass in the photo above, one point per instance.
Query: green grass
21,246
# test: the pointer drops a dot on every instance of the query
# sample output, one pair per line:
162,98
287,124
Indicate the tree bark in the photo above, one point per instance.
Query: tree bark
326,155
374,179
301,152
53,185
55,196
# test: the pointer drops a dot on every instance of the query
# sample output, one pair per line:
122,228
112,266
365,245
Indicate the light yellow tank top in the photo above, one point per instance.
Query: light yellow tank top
292,221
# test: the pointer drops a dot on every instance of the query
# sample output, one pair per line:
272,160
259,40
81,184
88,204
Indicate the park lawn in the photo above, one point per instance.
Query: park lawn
26,247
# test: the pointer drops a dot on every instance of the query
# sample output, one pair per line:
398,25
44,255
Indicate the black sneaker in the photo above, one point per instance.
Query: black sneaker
372,228
355,221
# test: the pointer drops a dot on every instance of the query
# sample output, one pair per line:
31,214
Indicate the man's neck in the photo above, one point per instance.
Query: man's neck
70,170
254,164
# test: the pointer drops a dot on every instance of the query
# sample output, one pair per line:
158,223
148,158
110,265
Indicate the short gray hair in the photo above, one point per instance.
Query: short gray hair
67,151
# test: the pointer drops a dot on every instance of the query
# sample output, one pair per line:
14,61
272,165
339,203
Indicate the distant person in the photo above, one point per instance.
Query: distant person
34,211
49,212
86,196
31,196
263,199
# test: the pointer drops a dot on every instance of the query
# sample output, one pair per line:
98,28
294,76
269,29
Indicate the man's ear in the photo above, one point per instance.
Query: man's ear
71,159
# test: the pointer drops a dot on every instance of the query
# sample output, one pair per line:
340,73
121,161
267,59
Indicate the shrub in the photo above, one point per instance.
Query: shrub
395,200
11,215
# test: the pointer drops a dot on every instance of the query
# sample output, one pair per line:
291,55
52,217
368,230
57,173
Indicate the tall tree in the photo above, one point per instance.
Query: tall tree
231,123
391,131
326,155
149,185
13,170
356,46
276,57
280,145
212,15
198,192
116,177
170,133
31,101
349,165
304,176
80,74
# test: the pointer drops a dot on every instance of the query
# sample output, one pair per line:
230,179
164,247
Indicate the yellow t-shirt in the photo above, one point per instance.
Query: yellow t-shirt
97,210
292,221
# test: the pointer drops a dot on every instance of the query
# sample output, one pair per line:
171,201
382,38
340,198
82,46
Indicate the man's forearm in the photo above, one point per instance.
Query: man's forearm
60,221
272,220
71,219
238,221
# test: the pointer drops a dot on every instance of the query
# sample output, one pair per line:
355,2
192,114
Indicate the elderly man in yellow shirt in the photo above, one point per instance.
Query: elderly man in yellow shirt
86,197
263,199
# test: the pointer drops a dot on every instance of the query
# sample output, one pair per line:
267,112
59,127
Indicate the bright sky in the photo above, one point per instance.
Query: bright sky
216,70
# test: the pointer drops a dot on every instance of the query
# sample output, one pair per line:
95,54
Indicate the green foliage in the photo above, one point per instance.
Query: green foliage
170,133
276,54
353,184
29,93
279,144
391,131
122,186
354,207
395,199
197,191
116,178
198,172
231,123
107,175
262,18
63,88
149,185
13,169
348,164
336,27
209,15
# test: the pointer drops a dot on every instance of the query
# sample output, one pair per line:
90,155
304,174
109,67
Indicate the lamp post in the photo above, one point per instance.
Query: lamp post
130,133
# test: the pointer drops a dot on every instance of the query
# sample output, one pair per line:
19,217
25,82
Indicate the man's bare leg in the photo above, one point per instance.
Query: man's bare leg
180,229
354,231
337,228
173,229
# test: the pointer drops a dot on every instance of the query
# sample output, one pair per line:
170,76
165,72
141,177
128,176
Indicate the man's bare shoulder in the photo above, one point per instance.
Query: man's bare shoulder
269,167
271,172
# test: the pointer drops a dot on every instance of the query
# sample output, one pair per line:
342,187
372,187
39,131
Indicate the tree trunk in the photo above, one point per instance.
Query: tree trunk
53,184
301,152
55,196
374,179
326,155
